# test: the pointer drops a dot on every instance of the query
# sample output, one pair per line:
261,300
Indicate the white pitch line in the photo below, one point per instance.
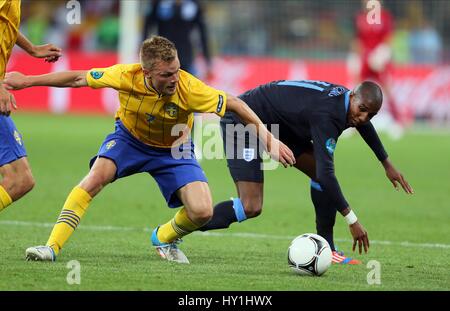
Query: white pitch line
217,234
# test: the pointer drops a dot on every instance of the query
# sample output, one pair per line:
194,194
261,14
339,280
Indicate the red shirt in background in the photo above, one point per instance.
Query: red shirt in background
369,37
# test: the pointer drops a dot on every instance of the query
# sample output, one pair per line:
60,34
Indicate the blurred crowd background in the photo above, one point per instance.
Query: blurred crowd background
284,28
245,43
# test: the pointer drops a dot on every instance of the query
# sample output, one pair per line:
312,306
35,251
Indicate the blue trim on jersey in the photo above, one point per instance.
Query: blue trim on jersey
347,101
239,210
316,185
318,82
301,84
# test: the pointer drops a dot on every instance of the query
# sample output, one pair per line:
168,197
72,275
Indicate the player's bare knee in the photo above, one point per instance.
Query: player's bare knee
18,185
252,207
253,213
203,219
93,183
202,213
27,183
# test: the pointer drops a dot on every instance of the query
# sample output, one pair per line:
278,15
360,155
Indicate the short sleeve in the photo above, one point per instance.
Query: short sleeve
204,98
105,77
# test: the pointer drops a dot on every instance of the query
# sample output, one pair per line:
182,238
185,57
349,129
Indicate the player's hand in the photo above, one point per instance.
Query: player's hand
360,237
281,153
50,52
15,81
397,178
7,101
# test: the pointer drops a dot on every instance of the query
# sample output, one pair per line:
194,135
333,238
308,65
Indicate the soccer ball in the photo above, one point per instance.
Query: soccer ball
309,254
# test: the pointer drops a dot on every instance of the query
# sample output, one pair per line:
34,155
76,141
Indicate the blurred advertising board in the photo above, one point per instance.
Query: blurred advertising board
423,91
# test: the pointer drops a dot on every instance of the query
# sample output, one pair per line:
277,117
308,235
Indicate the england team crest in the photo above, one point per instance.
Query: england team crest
248,154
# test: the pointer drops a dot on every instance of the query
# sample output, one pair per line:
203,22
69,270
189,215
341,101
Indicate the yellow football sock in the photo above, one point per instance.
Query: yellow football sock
177,227
5,199
76,205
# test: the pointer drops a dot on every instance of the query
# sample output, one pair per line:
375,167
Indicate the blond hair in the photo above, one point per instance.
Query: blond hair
155,49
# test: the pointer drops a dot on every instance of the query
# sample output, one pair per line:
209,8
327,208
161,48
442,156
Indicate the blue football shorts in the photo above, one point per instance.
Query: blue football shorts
132,156
243,152
11,142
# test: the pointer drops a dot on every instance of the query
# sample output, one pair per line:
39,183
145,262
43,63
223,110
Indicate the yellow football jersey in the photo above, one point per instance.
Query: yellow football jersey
9,28
151,117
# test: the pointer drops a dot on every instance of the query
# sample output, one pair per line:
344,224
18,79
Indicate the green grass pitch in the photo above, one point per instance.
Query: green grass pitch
410,234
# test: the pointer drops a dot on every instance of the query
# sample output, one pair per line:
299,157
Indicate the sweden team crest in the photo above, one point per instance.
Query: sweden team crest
110,144
248,154
18,138
171,109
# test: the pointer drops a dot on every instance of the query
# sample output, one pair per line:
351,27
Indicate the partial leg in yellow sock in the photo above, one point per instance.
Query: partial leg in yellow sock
5,198
74,208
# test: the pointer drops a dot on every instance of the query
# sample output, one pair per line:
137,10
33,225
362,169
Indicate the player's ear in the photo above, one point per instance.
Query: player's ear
351,97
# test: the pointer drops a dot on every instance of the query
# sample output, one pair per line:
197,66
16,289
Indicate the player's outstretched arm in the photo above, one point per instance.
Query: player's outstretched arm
18,81
396,177
370,136
276,149
50,52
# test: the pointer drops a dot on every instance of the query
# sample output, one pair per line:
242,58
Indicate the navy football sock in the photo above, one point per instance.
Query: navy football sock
325,213
225,213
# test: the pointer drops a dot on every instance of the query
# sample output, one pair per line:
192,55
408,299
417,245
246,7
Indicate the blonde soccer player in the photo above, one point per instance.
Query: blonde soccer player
155,97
